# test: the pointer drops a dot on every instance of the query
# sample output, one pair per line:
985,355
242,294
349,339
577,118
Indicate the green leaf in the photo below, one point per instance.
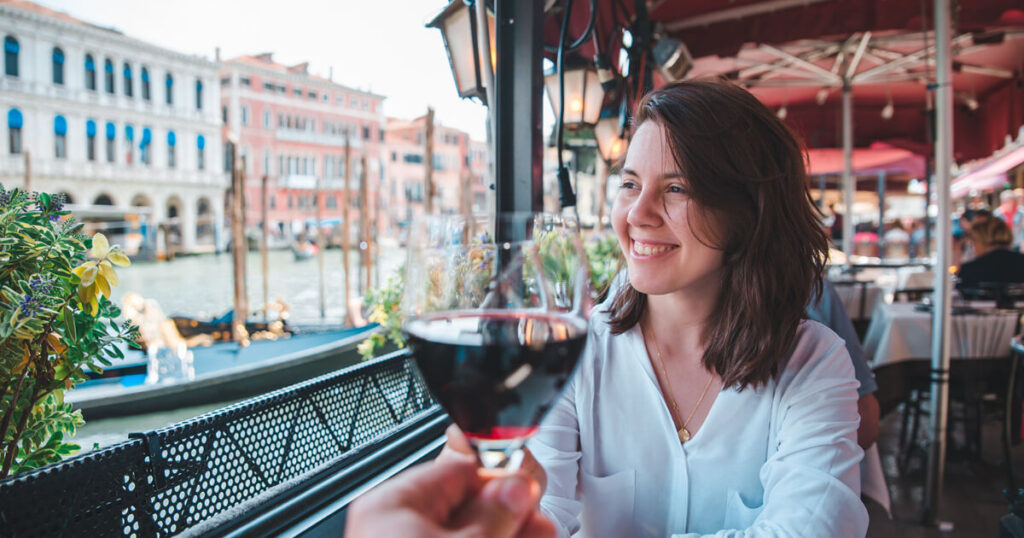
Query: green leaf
69,325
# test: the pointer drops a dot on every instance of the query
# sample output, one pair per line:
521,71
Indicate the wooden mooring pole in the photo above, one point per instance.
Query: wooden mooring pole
239,248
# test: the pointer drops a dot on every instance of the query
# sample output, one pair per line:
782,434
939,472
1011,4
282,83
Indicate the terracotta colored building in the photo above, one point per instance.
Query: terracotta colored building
460,170
293,127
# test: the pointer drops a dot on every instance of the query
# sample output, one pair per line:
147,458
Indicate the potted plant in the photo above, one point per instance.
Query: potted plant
56,321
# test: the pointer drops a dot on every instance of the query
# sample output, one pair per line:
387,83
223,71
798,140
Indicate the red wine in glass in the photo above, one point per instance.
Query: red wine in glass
497,373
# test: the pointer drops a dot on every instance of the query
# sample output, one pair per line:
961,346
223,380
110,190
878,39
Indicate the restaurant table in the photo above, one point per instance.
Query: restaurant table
859,297
901,331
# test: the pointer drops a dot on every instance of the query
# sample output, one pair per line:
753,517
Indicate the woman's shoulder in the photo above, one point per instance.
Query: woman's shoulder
817,352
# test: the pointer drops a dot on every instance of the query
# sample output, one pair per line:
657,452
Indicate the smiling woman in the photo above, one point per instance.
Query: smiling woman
739,413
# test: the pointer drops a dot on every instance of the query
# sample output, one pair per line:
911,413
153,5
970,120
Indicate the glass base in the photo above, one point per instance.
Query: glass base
504,455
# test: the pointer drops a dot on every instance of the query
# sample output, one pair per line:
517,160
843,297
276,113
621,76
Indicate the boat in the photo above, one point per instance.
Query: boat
304,251
220,372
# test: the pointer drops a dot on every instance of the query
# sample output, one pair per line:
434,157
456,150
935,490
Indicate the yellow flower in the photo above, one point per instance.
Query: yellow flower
97,277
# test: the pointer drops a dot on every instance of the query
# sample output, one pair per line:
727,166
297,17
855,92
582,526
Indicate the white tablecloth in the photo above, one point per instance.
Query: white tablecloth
898,332
850,294
915,277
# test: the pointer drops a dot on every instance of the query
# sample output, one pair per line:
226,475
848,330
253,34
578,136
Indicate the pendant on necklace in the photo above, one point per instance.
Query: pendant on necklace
684,435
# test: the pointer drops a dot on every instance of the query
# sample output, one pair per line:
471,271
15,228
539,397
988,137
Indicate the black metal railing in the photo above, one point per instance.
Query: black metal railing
239,469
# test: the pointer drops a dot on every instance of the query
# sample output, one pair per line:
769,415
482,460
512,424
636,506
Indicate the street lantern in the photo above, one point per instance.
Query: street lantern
611,142
583,94
467,58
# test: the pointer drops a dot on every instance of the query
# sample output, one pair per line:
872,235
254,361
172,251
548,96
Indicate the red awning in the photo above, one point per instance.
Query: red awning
877,158
991,173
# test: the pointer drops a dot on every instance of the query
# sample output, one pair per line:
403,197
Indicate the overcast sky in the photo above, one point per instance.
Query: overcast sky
376,45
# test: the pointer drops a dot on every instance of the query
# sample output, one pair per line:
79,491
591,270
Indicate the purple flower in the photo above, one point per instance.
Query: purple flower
30,306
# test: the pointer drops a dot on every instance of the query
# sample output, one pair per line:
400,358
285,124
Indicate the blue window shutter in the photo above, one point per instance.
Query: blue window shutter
90,65
14,118
127,71
11,45
108,67
111,131
60,125
169,80
171,139
90,128
58,57
145,75
147,136
201,142
129,132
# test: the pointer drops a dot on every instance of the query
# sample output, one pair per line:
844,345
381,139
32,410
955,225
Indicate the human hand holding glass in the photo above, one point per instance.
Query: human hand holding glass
495,311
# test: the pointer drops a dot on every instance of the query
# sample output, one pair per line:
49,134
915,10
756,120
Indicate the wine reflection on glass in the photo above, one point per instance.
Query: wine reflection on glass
495,310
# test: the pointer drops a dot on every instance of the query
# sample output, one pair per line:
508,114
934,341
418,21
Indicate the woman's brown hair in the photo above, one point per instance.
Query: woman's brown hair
992,232
745,170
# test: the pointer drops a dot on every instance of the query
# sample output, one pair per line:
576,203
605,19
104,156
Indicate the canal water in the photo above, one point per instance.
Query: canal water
202,287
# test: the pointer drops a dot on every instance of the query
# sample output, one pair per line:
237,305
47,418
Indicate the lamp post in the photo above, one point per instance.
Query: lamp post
458,27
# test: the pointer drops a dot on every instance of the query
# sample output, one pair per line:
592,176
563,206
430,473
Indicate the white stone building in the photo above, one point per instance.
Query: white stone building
129,131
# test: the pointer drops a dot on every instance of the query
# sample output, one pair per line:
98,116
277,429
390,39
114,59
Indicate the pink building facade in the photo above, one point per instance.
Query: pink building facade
293,127
460,170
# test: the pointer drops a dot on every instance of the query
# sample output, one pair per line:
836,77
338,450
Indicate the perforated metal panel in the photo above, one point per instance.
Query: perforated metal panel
165,481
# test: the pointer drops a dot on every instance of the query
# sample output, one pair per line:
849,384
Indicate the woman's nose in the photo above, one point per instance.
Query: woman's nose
646,209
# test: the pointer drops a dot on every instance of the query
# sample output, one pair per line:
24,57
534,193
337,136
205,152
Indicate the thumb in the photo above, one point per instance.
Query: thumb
503,506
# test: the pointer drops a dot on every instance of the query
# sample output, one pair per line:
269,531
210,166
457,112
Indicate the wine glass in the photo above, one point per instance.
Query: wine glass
495,313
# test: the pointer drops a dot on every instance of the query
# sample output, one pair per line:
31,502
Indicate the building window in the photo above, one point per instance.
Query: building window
297,92
332,202
145,150
268,86
201,152
171,153
58,66
60,142
90,73
366,132
90,140
245,81
266,162
291,201
14,131
11,49
169,89
111,133
145,83
128,86
108,76
280,165
266,119
129,139
245,115
272,199
224,114
312,94
199,94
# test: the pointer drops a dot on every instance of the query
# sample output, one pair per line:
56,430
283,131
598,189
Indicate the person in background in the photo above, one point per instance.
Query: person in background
995,262
1010,212
829,311
447,498
963,242
836,231
917,238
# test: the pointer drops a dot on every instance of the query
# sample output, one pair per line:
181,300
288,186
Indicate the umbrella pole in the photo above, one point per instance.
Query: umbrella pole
943,286
848,186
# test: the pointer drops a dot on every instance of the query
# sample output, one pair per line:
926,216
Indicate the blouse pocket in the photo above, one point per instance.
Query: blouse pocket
607,504
738,514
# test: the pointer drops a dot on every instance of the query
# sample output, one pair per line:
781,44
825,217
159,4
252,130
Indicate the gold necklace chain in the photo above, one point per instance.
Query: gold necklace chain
684,434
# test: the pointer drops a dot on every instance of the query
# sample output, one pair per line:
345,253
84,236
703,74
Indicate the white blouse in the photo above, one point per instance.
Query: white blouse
779,460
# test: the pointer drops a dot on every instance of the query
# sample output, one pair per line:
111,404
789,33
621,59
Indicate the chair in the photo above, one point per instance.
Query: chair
978,379
908,295
859,315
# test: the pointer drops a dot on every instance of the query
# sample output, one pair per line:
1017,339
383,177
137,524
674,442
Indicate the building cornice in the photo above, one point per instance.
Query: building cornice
97,32
303,79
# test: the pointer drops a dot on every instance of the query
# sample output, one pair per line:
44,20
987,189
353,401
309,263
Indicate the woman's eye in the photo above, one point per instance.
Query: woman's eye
676,189
626,185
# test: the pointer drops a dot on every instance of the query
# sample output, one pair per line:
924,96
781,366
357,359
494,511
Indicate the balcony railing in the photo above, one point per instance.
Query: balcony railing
287,461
